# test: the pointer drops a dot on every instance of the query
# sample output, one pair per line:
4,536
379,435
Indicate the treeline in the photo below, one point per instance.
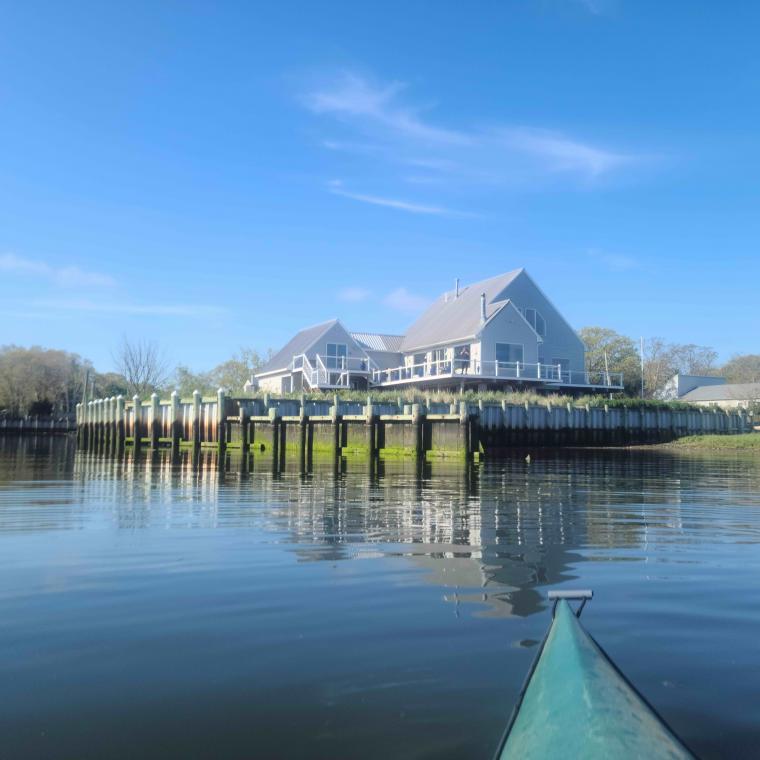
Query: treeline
48,381
43,381
607,349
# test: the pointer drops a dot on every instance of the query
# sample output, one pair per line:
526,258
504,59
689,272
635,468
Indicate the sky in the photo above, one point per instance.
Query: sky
213,175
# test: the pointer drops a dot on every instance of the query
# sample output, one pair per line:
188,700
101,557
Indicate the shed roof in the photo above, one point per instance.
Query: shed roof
298,344
451,318
727,392
378,341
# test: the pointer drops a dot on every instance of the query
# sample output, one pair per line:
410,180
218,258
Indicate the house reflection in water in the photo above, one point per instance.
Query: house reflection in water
492,535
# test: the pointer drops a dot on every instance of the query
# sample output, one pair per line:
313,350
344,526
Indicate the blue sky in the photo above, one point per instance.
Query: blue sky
217,175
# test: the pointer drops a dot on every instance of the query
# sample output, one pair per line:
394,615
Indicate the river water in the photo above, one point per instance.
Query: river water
195,609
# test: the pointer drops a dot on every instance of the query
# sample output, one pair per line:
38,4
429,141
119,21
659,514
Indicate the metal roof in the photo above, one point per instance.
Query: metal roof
378,341
300,343
727,392
453,317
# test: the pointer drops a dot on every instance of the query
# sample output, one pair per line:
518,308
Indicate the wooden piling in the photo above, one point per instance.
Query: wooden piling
196,423
245,440
120,426
136,421
155,420
175,423
221,421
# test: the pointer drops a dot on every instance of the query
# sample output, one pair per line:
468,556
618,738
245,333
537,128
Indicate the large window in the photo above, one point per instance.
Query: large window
509,353
440,364
462,359
535,319
335,358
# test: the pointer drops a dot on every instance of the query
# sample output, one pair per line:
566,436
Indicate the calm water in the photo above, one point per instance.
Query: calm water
188,610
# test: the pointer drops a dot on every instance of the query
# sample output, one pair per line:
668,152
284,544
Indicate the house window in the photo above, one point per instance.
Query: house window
419,360
536,320
335,357
439,362
509,353
462,359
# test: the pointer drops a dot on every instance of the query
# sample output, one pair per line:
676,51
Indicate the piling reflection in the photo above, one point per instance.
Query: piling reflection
490,535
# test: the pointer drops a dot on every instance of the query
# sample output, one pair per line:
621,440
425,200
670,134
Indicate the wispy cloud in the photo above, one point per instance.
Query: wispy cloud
403,300
353,294
379,123
69,276
129,308
562,153
615,262
375,200
351,96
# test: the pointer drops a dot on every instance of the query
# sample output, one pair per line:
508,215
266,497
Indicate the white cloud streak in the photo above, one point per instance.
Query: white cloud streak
395,203
561,153
69,276
134,309
354,97
376,122
401,299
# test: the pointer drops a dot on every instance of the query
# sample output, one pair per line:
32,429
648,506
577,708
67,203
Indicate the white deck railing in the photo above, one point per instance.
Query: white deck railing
494,370
331,371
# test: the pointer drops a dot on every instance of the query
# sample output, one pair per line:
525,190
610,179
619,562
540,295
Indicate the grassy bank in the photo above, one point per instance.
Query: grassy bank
410,396
742,442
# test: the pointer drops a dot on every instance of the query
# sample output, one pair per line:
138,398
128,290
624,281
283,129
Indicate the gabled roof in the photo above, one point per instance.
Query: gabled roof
378,342
452,318
726,392
300,343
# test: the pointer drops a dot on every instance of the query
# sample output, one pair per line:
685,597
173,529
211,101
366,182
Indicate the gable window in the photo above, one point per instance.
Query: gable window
335,357
508,353
536,320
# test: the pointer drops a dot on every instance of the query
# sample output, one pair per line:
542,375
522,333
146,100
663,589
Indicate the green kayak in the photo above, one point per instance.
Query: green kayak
577,704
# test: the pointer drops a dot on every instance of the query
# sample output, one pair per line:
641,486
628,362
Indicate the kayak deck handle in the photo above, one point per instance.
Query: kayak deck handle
582,595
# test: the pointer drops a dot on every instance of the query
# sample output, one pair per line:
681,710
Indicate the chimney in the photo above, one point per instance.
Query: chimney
456,288
482,308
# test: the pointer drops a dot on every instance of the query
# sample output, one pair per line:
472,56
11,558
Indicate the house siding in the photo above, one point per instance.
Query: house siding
508,326
560,341
336,334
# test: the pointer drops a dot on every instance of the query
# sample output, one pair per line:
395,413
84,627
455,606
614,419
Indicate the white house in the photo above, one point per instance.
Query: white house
501,332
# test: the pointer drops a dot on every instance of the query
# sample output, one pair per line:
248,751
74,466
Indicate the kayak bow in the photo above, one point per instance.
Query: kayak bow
577,704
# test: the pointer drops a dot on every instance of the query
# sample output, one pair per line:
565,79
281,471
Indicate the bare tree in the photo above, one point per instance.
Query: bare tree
143,365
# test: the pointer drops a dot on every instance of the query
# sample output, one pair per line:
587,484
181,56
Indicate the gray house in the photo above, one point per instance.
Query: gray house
501,332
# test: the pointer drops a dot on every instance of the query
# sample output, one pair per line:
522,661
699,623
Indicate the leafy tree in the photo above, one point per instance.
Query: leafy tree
107,384
742,368
185,382
39,378
235,372
621,355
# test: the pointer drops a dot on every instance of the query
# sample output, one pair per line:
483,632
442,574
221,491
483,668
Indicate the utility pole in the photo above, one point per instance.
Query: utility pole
642,367
607,371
